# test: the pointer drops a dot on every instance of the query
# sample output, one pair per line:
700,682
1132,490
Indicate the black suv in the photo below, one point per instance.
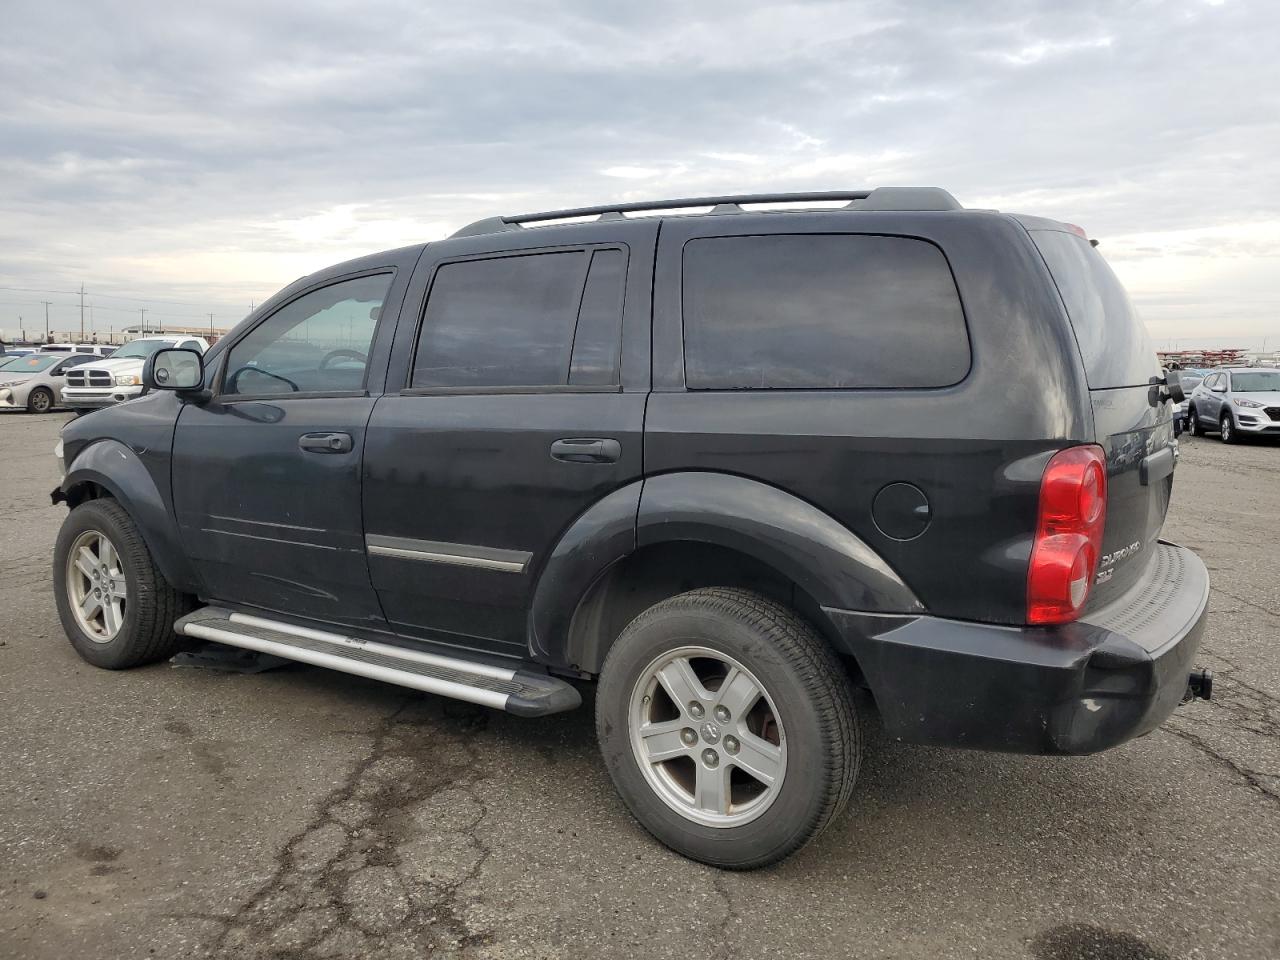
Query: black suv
734,466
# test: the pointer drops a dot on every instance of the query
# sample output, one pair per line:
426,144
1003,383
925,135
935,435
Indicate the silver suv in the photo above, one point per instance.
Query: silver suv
1236,401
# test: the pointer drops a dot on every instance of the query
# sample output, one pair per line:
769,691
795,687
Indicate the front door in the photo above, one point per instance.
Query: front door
523,405
266,476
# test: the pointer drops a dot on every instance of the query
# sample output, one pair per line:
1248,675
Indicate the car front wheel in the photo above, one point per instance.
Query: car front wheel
115,605
40,400
728,727
1227,429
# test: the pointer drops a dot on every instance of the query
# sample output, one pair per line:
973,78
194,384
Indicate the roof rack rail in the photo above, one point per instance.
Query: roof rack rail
881,198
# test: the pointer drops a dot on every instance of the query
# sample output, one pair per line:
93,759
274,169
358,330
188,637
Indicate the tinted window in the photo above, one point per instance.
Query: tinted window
1114,343
599,333
820,312
317,343
501,322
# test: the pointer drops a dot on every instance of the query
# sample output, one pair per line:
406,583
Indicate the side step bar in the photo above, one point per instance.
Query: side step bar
523,693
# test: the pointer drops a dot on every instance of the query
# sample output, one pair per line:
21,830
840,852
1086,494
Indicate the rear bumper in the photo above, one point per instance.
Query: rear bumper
1078,688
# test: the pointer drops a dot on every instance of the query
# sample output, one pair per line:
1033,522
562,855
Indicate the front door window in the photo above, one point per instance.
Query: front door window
318,343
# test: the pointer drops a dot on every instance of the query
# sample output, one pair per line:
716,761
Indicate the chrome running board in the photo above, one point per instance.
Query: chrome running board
520,692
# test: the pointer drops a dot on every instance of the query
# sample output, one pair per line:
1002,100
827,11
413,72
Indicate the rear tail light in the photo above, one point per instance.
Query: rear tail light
1064,557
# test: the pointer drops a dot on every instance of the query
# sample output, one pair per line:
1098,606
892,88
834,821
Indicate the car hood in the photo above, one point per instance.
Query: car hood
1268,398
122,365
14,376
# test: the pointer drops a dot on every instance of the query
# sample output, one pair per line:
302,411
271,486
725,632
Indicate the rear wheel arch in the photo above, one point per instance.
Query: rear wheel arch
660,571
672,533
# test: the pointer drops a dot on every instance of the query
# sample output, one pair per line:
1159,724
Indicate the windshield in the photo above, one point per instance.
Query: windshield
141,348
1190,383
1256,381
34,363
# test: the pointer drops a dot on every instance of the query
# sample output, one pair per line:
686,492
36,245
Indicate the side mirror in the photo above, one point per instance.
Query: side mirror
173,369
1218,389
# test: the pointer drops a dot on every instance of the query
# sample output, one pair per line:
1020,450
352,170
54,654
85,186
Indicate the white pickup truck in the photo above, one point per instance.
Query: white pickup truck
118,378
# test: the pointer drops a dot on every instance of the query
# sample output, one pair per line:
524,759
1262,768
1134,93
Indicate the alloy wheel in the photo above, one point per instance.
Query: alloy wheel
707,737
97,588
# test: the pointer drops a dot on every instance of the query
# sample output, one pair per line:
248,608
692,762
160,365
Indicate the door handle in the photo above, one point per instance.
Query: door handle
586,450
325,442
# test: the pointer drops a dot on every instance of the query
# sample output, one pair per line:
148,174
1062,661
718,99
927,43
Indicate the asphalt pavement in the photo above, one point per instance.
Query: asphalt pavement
181,812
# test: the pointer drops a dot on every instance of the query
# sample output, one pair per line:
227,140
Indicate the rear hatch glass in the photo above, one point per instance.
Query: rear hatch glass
1114,343
1120,362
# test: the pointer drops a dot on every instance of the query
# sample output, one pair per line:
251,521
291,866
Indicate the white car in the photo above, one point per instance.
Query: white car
35,382
95,349
119,378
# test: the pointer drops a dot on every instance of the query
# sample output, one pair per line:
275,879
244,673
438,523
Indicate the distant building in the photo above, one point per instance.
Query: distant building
211,334
1181,359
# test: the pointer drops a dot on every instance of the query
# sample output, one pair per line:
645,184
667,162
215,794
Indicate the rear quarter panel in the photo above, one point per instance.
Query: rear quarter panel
976,449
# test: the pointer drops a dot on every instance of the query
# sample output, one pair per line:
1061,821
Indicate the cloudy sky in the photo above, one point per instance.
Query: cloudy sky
192,158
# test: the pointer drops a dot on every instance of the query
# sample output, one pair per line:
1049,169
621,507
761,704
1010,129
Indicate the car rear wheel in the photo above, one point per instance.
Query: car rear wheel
40,400
116,607
728,727
1227,429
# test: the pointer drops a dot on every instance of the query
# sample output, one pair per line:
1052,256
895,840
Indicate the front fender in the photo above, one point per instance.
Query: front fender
116,468
792,536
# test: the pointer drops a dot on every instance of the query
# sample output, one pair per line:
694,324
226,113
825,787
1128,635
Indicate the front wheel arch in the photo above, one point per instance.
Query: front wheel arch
109,468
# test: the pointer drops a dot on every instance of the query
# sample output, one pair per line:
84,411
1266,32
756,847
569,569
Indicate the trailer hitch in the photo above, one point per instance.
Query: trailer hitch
1199,686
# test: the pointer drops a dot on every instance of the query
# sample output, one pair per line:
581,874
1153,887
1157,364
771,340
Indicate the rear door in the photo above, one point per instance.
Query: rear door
1133,426
515,401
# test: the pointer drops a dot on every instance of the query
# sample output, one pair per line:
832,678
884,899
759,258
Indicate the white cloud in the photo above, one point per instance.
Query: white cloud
212,153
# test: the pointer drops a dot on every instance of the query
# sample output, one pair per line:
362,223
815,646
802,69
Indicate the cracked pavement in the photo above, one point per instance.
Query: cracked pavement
298,813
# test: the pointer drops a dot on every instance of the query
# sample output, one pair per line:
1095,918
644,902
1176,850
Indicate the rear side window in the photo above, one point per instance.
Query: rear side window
543,319
1114,344
820,312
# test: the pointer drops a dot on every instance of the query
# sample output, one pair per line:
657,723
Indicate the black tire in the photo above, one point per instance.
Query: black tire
146,630
1193,424
1227,429
801,676
40,400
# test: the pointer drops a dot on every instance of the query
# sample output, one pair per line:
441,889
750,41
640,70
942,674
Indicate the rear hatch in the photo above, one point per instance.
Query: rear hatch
1133,426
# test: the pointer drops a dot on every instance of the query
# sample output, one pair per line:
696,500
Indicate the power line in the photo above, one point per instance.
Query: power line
102,306
116,296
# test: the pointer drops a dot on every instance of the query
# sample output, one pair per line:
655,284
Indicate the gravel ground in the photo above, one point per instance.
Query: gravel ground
174,812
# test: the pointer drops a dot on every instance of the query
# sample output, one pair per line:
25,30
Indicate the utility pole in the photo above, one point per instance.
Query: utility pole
46,320
82,312
211,324
143,311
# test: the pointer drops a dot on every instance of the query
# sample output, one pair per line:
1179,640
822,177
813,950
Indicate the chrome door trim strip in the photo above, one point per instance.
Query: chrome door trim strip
458,554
